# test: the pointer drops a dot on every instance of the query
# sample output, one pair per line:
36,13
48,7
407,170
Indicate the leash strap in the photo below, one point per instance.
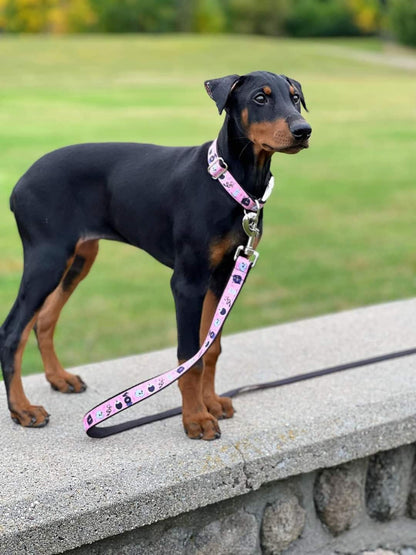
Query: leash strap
143,390
218,169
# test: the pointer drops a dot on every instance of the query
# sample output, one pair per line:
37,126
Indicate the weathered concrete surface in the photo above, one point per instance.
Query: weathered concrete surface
61,489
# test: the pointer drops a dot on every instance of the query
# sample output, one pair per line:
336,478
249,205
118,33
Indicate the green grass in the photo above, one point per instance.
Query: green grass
339,228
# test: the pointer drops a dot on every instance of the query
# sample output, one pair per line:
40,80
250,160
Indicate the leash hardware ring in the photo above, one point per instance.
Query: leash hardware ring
248,252
224,168
250,221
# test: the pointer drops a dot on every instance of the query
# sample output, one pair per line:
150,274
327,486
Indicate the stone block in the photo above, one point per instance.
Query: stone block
283,523
411,502
339,495
388,482
236,533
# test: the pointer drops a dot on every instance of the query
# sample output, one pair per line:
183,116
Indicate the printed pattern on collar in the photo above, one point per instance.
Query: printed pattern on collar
224,177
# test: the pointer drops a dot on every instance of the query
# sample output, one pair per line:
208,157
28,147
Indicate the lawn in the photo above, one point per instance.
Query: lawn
339,228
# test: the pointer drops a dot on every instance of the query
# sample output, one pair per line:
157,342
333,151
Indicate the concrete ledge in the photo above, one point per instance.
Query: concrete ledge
61,489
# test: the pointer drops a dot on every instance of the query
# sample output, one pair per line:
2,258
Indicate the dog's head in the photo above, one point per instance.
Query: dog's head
266,108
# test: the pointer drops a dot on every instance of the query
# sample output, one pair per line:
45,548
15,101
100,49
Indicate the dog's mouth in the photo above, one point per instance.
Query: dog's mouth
290,149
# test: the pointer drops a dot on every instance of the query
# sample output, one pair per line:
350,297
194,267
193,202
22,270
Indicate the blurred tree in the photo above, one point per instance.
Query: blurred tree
3,21
367,15
184,15
309,18
37,16
402,17
71,16
123,16
264,17
209,16
30,16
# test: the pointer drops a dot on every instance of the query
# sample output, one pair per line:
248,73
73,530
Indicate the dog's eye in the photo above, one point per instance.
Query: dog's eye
296,98
260,99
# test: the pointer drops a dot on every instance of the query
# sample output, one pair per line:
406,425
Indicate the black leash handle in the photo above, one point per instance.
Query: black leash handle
117,428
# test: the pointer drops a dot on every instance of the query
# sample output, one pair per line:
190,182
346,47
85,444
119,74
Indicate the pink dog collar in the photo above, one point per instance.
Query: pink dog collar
218,169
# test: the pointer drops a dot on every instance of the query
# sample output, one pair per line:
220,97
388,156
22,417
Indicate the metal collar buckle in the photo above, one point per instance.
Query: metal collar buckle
223,167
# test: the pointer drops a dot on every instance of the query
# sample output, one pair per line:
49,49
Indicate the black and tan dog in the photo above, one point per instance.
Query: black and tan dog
162,200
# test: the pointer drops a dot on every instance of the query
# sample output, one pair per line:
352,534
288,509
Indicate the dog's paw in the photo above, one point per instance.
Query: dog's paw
201,425
67,383
219,407
30,416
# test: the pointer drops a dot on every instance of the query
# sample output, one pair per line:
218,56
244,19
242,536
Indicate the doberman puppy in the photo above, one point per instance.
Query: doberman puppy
162,200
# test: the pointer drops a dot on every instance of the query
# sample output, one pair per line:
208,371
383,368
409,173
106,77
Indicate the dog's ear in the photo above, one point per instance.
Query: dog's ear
298,88
219,89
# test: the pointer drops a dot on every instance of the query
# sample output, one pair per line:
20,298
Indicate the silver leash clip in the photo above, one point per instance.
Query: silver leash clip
250,226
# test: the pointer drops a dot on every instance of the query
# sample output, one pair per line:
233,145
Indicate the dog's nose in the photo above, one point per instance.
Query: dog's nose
301,130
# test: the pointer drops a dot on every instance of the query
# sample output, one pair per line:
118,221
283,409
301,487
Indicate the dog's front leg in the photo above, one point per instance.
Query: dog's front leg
189,295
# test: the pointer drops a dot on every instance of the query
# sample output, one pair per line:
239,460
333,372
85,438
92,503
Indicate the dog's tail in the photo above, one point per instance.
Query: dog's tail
11,202
2,338
13,199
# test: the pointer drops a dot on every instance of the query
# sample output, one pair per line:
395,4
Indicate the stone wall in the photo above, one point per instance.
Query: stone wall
320,467
366,506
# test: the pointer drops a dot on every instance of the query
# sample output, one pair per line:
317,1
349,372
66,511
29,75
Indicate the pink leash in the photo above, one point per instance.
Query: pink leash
245,259
146,389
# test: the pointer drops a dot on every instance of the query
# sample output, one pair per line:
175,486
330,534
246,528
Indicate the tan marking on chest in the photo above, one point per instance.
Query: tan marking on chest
225,245
220,247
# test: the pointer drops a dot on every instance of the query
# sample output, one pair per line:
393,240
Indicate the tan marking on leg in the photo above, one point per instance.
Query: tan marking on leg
59,378
17,396
197,421
220,407
21,410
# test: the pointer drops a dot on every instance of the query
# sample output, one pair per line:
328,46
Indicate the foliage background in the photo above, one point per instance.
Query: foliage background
268,17
300,18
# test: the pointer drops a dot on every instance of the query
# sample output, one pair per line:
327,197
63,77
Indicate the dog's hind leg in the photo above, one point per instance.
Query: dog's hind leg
60,379
44,266
220,407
